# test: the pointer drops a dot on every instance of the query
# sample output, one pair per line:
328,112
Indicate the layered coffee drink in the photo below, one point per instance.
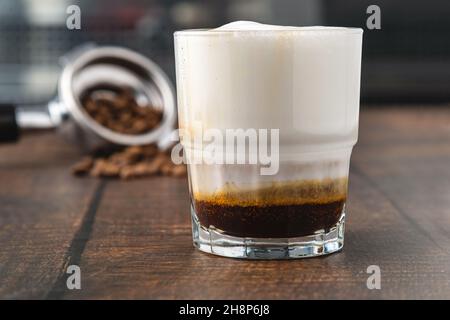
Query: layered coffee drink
268,118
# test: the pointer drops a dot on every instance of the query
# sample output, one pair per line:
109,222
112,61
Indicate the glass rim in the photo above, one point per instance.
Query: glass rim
304,29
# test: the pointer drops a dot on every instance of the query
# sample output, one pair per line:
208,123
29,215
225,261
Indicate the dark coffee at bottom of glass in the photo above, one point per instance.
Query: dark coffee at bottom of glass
282,211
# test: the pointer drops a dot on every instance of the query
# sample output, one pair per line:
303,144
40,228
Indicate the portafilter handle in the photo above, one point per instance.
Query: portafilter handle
13,119
9,129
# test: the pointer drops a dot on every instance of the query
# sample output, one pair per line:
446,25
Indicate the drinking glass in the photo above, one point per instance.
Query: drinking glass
296,89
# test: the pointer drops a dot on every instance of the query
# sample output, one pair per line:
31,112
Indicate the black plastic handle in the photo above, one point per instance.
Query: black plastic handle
9,130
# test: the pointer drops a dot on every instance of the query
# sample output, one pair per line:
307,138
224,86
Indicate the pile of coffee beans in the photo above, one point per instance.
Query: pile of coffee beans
128,163
118,110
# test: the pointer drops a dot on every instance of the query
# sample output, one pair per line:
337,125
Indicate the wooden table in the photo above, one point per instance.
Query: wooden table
133,239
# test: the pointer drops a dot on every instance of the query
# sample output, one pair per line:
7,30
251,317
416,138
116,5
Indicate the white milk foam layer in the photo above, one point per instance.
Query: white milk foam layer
248,25
255,26
303,81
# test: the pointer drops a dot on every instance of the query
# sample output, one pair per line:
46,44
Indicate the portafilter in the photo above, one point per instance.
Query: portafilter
91,67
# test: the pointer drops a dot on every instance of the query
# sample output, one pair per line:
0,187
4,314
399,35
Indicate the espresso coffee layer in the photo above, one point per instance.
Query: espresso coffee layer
279,211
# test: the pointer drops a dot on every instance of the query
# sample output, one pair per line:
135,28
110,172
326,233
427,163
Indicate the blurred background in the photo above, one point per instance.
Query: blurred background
407,61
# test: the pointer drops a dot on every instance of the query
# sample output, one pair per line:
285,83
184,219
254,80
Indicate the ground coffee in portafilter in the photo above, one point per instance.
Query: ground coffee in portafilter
281,211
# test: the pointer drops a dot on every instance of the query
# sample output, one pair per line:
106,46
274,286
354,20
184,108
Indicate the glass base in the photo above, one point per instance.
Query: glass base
320,243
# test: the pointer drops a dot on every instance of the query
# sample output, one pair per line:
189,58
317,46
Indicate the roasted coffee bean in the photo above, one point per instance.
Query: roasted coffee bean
104,168
179,170
129,163
83,166
119,111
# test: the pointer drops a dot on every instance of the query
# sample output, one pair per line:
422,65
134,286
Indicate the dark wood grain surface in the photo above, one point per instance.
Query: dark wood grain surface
133,239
